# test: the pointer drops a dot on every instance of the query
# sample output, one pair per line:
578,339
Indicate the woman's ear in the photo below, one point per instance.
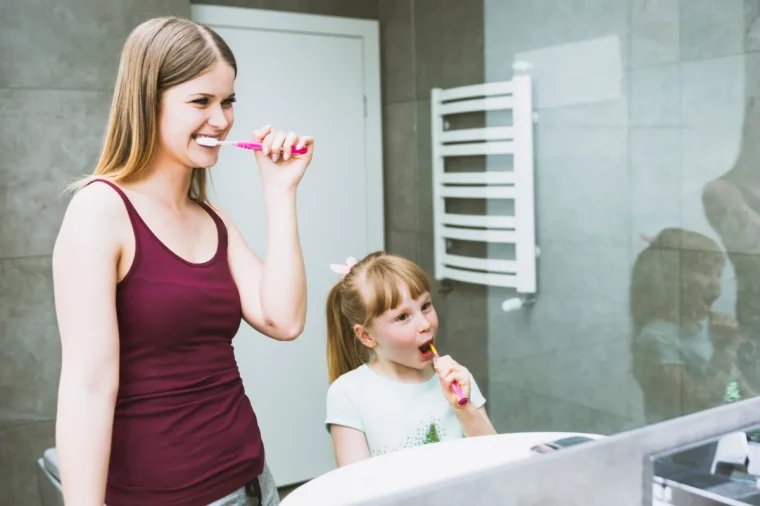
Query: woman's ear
363,335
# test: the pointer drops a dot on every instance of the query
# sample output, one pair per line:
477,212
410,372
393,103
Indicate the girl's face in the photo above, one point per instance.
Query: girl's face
199,107
701,288
403,335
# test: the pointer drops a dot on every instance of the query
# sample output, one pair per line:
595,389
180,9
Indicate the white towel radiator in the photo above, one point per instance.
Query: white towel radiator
517,185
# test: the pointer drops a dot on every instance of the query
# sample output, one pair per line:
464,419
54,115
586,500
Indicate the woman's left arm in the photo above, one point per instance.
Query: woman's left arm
273,291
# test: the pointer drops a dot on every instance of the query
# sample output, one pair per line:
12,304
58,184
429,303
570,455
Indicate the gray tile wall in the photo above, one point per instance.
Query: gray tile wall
57,68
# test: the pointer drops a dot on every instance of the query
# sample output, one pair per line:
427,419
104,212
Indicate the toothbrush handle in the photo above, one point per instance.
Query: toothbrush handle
461,399
256,146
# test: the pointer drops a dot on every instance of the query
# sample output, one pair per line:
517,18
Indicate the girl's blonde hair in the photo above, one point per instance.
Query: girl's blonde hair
373,286
658,275
159,53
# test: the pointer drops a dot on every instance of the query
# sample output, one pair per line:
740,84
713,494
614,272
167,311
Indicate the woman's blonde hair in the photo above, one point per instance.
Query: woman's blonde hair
159,53
373,286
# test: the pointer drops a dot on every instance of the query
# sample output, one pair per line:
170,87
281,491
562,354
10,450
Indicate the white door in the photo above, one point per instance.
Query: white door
310,74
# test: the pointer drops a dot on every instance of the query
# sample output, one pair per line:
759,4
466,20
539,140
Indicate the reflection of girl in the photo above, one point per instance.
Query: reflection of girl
683,352
732,206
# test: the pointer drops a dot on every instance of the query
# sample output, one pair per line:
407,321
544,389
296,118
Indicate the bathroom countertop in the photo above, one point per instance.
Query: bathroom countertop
417,467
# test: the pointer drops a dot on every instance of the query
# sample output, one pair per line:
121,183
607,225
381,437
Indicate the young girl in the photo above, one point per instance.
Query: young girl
387,392
151,283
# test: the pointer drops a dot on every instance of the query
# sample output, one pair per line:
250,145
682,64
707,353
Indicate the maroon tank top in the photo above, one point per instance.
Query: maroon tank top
184,432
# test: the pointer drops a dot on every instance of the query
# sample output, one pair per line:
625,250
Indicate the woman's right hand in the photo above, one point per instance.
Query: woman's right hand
280,168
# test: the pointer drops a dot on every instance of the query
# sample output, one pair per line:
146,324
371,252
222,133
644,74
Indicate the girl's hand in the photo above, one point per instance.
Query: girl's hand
279,167
724,332
448,372
724,325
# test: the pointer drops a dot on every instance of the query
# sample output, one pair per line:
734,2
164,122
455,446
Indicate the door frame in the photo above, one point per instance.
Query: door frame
368,31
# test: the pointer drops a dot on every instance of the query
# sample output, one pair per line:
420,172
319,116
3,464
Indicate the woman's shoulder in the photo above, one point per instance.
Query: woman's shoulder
720,194
95,210
96,197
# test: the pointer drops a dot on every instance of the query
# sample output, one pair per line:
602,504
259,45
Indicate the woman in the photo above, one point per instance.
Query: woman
151,283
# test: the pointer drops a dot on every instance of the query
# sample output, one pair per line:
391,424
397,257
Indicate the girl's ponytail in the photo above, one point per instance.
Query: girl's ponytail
344,353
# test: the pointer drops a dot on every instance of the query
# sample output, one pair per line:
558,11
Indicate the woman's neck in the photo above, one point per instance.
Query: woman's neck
400,372
166,182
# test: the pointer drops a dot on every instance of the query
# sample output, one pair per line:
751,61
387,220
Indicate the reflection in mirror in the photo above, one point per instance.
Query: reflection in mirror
647,202
724,470
683,351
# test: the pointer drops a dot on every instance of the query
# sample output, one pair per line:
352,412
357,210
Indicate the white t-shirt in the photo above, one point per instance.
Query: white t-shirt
394,415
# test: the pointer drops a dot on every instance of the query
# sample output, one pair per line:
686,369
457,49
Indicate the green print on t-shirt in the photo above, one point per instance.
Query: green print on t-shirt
431,436
733,392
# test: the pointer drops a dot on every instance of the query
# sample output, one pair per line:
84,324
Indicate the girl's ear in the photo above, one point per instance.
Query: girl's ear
363,335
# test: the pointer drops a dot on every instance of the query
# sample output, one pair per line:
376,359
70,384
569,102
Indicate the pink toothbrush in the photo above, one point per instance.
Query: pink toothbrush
461,399
255,146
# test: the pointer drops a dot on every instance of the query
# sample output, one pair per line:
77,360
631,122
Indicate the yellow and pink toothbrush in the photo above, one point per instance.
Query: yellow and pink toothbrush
461,399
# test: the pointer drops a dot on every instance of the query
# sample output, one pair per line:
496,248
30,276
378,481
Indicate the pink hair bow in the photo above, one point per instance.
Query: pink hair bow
343,269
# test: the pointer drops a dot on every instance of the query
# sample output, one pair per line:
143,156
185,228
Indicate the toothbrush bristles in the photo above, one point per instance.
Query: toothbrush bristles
207,141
